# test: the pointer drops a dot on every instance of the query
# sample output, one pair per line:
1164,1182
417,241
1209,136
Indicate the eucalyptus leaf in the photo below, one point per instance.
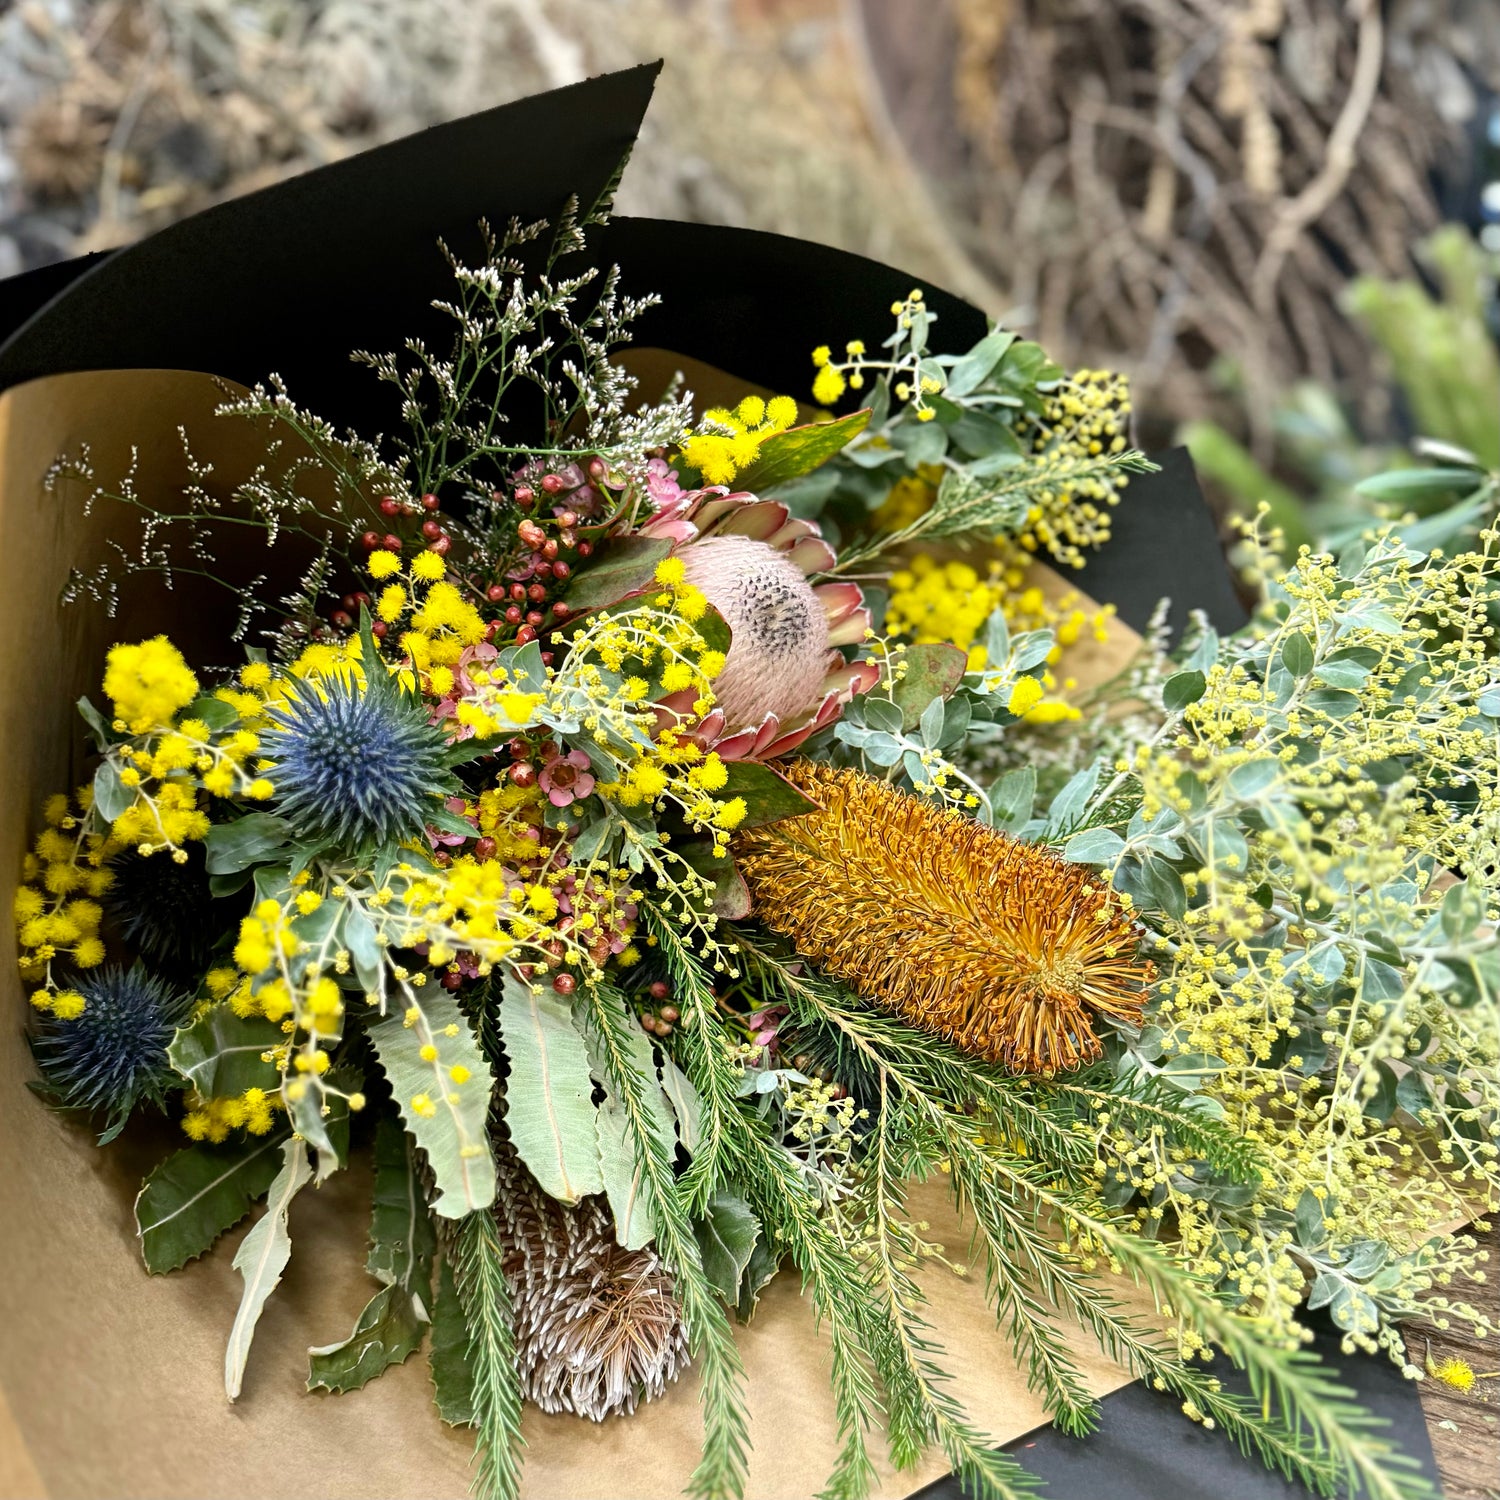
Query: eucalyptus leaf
261,1259
549,1109
933,670
448,1120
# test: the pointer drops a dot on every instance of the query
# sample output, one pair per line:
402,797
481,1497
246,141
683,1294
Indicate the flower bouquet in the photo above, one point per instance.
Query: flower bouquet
653,840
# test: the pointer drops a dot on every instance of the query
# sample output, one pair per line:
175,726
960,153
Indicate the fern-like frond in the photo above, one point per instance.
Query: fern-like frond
722,1470
477,1258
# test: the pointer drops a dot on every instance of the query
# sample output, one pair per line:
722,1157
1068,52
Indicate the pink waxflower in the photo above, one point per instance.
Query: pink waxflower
566,777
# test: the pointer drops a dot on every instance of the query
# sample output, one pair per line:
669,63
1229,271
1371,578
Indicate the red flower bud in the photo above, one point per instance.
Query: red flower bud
565,984
429,502
390,505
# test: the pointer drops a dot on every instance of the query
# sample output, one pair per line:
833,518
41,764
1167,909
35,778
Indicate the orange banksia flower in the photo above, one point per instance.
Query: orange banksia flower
998,945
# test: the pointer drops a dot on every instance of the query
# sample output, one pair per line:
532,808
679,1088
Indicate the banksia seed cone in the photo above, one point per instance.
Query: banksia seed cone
1000,946
597,1327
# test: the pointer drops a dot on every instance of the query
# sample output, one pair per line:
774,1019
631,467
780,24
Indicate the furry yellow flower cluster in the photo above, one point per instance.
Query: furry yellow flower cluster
932,600
1084,419
728,441
56,905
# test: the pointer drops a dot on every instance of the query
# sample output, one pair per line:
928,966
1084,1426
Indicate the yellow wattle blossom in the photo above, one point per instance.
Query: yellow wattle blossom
211,1120
148,683
1025,696
56,906
950,601
728,441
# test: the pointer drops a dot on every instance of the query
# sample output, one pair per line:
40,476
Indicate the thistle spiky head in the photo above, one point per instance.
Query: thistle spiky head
111,1055
165,911
356,759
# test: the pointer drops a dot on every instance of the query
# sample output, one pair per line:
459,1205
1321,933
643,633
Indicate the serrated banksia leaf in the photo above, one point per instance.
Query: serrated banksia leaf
597,1327
998,945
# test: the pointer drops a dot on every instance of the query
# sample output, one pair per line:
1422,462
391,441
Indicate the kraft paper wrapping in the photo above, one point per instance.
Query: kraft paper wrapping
111,1379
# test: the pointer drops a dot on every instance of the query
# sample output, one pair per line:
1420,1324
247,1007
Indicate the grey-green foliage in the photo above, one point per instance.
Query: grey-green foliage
1441,349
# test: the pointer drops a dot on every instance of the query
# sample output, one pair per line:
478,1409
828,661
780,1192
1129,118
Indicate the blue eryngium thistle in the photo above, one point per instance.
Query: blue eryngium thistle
358,764
113,1056
165,911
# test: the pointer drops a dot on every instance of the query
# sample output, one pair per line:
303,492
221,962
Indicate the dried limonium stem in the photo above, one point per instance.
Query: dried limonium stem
998,945
598,1329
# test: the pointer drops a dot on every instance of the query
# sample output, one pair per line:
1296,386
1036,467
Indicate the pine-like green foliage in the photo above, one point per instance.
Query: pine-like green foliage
726,1443
478,1258
1015,1163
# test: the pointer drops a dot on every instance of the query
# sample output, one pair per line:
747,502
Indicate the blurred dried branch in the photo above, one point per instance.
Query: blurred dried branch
117,116
1162,183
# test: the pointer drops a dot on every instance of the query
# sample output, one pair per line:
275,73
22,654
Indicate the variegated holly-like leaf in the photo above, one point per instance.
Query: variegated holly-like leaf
452,1376
389,1329
222,1054
197,1193
402,1240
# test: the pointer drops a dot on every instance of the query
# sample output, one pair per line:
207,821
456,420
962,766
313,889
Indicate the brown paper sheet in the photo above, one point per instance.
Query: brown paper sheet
110,1379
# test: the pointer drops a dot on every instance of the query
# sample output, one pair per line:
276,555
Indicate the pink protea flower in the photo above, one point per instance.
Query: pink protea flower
785,677
566,777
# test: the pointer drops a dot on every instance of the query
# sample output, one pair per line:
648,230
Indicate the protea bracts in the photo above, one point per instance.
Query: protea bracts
785,677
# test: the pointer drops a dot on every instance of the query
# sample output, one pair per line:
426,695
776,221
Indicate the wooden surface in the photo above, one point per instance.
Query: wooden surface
1465,1427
